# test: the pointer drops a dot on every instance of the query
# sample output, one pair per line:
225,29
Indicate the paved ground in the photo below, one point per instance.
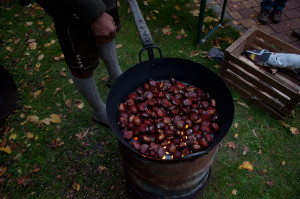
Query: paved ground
243,15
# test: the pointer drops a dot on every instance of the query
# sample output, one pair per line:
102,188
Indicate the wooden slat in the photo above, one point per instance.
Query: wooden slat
273,40
264,45
239,45
262,96
249,97
286,79
265,77
256,82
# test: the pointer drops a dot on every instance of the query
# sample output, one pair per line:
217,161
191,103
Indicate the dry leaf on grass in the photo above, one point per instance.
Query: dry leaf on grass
56,143
12,136
32,118
25,180
55,118
68,103
246,149
79,104
102,169
246,165
270,183
2,170
294,131
230,145
6,149
167,30
35,169
76,186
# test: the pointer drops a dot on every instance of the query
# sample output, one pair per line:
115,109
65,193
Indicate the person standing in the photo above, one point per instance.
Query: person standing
266,6
86,30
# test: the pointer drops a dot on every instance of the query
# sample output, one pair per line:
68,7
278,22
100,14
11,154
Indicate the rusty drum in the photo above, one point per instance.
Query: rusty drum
152,178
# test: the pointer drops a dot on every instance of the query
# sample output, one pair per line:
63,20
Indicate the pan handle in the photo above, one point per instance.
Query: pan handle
143,30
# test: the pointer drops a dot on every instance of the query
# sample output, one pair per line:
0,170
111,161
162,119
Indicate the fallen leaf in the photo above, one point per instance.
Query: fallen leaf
4,142
48,29
177,7
270,183
8,48
35,169
76,186
246,149
230,145
154,17
235,6
40,57
32,118
194,53
12,136
119,46
209,19
234,192
29,135
236,135
254,133
32,45
57,90
22,123
52,41
25,180
167,30
195,12
47,45
2,170
79,104
178,37
294,131
235,22
56,143
105,78
71,81
252,16
102,169
29,23
236,125
68,103
63,74
284,124
46,121
37,93
283,163
246,165
55,118
6,149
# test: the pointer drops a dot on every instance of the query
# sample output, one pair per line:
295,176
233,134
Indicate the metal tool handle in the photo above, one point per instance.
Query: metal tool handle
143,30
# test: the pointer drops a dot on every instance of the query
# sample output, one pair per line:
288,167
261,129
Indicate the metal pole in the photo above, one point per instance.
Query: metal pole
201,19
223,12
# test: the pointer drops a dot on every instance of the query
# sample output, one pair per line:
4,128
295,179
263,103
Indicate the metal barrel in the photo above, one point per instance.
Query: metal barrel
158,179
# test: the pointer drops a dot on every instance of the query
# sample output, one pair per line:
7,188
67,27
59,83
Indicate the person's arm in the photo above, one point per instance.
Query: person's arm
93,13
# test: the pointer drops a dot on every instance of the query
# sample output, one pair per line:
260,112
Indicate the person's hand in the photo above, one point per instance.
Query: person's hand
104,28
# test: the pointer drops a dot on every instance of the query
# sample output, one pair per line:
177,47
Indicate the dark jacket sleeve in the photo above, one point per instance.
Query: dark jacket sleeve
88,10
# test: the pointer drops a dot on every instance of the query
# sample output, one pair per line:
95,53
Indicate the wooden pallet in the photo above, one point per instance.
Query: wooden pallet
278,93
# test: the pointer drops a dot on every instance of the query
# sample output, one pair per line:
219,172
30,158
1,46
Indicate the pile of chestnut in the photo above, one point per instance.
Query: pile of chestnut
168,117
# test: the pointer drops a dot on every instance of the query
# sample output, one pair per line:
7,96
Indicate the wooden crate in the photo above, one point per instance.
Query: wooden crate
278,93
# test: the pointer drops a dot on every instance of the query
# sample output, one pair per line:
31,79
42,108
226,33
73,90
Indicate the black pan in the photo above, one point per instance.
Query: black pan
162,69
8,94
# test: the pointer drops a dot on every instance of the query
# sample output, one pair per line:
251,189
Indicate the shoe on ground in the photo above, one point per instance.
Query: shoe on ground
276,16
100,118
296,33
263,16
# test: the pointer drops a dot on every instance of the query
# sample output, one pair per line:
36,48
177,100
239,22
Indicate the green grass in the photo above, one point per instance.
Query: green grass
78,160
